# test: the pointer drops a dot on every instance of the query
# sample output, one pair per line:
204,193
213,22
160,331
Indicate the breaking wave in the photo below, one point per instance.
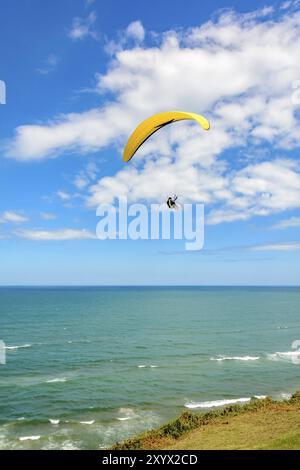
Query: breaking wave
218,403
289,356
17,347
235,358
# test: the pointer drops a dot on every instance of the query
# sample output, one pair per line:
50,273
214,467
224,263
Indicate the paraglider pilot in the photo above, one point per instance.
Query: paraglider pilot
171,202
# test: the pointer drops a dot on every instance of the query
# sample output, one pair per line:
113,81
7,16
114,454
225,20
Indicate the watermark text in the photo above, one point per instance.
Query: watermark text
143,222
2,353
2,92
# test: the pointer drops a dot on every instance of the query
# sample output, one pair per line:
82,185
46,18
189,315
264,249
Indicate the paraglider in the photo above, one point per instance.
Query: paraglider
151,125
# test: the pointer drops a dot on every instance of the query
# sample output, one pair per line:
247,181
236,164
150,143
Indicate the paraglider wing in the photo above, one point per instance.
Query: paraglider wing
153,124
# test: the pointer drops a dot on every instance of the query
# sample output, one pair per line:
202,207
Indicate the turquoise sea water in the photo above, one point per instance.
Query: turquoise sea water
86,367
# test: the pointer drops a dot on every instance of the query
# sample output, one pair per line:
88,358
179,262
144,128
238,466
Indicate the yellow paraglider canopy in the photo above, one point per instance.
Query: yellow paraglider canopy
153,124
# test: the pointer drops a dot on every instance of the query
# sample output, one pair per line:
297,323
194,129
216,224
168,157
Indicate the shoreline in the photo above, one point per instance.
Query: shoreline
259,424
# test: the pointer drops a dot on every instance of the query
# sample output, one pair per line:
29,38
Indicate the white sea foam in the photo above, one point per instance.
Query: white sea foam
289,356
54,421
285,395
144,366
235,358
52,444
17,347
69,445
56,379
218,403
128,412
87,422
122,429
29,438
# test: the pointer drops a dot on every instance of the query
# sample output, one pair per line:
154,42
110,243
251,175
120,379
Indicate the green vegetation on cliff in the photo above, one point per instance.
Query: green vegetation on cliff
260,424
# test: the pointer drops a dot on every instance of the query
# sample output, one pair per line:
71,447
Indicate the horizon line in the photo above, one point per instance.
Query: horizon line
144,285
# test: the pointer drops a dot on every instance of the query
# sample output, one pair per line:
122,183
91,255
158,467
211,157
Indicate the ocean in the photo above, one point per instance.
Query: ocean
86,367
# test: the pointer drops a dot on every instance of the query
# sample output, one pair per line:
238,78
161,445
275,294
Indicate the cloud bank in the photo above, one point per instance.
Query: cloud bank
56,235
238,71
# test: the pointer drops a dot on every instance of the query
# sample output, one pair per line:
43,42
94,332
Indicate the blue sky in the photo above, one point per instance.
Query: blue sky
81,74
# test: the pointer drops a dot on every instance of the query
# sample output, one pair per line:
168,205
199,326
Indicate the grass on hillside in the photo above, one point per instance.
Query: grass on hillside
259,424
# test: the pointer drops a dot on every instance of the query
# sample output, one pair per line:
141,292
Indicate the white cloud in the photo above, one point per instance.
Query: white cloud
83,27
63,195
260,189
86,176
134,35
136,31
80,181
13,217
292,222
49,65
286,5
290,4
84,132
287,246
56,235
238,71
48,216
